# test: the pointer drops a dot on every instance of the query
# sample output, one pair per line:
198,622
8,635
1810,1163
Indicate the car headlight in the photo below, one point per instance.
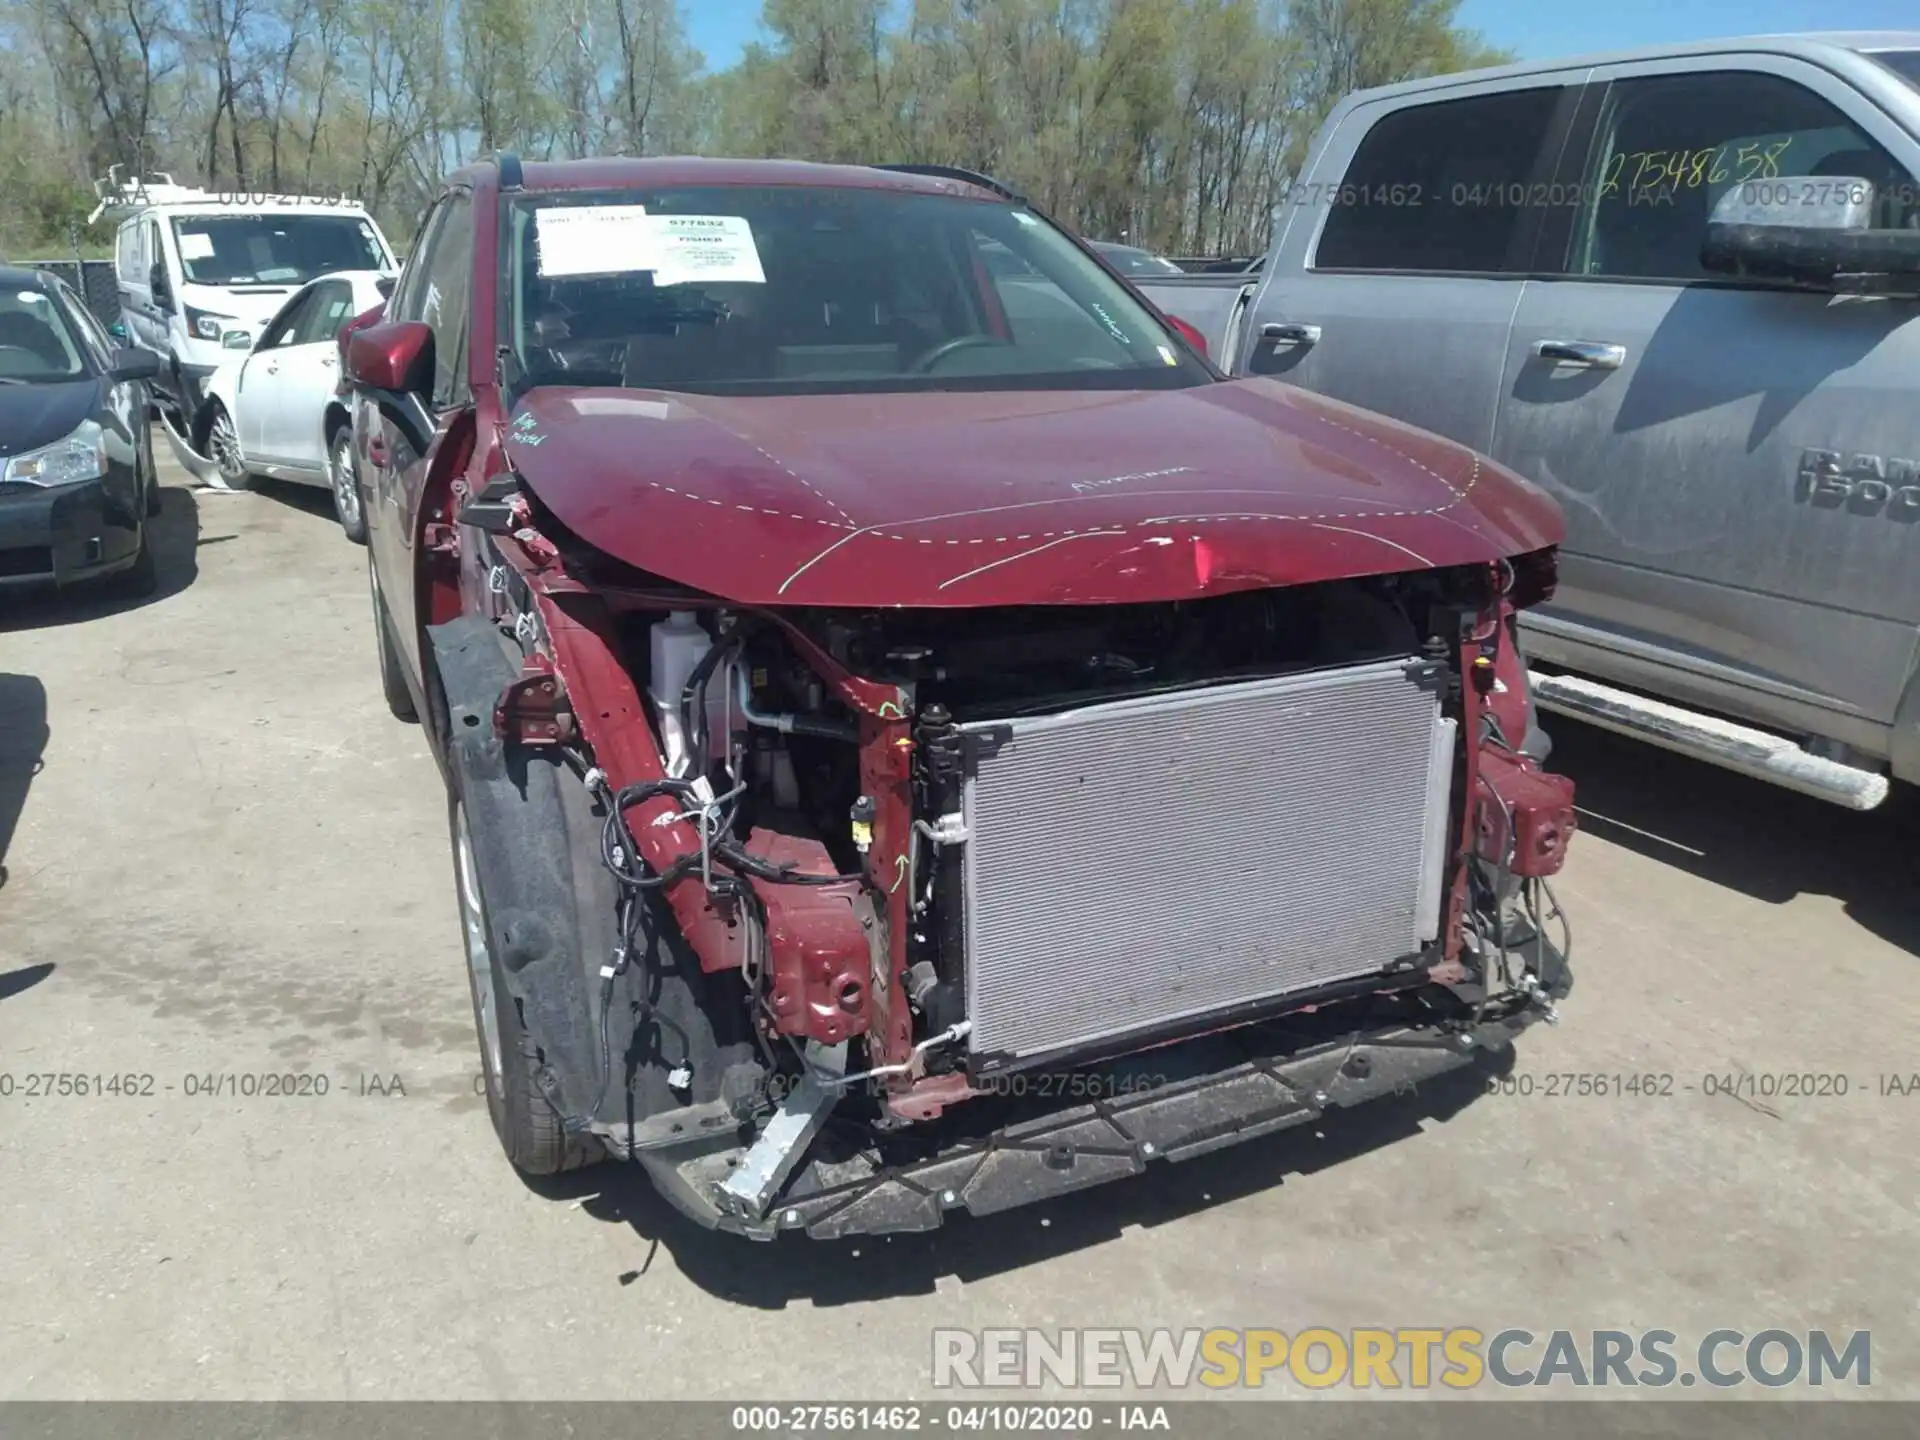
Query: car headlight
81,456
208,324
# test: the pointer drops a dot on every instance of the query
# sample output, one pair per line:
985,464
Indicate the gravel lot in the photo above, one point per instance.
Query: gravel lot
222,857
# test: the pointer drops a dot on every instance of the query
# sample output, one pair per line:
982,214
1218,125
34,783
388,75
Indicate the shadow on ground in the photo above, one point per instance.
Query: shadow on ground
176,542
771,1275
23,746
12,982
1747,835
313,500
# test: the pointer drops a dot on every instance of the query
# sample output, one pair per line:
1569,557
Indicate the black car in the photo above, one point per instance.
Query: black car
77,481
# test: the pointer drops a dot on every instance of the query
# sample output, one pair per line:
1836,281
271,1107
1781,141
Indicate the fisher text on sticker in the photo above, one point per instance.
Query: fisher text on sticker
718,249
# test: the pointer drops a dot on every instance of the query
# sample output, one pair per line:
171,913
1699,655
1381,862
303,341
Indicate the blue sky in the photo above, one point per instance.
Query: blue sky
1538,29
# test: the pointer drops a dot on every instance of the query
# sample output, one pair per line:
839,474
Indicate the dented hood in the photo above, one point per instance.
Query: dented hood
961,499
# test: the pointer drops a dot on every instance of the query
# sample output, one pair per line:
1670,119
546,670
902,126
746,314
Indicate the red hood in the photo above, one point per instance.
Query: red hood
957,498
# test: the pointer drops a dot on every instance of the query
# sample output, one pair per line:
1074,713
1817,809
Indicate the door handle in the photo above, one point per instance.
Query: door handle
327,362
273,367
1589,354
1289,332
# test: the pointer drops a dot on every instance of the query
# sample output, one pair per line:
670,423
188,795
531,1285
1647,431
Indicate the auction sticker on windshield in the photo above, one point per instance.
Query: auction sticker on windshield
625,239
715,248
196,245
594,240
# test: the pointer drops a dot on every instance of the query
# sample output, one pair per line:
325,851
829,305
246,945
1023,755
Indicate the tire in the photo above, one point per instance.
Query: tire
223,444
393,680
153,484
529,1130
349,507
141,578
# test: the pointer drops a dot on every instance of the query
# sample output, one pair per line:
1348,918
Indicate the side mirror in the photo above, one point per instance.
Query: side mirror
1189,333
133,365
396,356
117,330
237,340
1811,231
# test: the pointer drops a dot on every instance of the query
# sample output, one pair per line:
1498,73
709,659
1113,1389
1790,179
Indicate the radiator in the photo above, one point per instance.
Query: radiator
1142,863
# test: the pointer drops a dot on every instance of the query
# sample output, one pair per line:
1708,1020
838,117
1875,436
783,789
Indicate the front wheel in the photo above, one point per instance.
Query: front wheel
153,483
223,444
393,680
345,483
529,1129
141,578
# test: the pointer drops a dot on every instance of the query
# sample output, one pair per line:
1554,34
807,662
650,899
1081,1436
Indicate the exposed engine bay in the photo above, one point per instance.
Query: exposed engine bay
944,864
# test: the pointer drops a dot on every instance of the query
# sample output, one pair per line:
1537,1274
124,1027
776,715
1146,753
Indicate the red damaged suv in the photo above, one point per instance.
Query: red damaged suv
917,736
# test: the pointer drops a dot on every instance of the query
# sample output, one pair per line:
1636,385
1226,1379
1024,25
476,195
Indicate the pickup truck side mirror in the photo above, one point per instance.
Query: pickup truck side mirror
1812,231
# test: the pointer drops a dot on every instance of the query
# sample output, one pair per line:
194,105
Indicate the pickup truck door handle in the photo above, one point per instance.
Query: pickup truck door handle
1592,354
1288,332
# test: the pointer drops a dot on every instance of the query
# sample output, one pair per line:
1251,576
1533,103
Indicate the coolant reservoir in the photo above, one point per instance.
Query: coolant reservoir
678,644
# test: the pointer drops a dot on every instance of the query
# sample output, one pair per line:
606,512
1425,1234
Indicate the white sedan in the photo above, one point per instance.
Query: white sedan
274,408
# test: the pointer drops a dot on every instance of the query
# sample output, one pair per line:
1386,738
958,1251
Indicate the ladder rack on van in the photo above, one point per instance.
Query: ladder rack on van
123,199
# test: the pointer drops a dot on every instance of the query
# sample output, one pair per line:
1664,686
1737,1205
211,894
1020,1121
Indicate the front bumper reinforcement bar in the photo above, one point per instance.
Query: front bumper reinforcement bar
1204,1095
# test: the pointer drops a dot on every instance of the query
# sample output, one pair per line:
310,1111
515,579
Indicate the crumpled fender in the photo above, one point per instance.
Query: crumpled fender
551,908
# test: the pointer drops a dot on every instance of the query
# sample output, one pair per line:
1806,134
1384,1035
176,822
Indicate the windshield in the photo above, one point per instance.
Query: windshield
799,290
36,341
1904,63
273,249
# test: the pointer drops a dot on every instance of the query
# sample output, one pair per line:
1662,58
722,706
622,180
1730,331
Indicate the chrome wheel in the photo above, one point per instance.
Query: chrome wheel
223,442
473,925
346,487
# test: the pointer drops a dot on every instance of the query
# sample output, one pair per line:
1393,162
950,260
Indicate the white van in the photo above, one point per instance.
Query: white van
200,272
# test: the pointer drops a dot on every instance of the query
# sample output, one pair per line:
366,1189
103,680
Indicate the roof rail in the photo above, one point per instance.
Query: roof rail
955,172
508,163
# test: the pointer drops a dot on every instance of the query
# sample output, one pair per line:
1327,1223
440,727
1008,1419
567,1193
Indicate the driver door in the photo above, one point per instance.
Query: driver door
435,290
301,376
260,388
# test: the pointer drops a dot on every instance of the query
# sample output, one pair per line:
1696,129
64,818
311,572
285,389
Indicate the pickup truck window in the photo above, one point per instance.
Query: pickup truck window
1439,187
1668,147
744,289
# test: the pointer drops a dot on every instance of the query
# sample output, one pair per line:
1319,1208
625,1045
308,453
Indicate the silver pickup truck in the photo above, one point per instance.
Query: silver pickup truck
1679,290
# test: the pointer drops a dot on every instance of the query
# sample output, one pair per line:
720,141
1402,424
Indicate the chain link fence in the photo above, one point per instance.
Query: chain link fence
93,280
